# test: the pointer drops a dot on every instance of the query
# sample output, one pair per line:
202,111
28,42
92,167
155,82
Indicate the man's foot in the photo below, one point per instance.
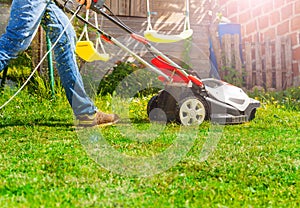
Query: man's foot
97,119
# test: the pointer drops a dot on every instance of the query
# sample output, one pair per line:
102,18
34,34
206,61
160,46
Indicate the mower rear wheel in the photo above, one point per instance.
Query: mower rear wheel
192,111
154,112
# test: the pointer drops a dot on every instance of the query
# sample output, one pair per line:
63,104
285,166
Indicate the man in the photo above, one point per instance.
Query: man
25,17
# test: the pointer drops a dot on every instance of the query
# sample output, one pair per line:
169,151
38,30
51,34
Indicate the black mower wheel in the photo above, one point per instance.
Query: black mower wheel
154,112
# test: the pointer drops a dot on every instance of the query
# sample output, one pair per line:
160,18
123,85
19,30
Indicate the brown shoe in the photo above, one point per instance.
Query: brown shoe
97,119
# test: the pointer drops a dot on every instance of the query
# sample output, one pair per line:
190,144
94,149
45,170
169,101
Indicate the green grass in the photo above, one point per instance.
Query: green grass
43,164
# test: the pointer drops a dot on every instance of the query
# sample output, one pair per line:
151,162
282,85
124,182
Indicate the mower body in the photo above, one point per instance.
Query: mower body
216,100
229,104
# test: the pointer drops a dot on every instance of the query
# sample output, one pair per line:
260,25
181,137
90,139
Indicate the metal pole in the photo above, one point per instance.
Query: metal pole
4,75
50,66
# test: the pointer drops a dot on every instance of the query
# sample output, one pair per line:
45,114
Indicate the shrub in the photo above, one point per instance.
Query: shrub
289,99
129,77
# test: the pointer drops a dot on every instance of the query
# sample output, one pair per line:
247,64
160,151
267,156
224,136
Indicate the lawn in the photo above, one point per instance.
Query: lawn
44,164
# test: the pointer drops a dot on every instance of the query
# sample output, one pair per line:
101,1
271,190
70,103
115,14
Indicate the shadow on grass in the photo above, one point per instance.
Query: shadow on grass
51,122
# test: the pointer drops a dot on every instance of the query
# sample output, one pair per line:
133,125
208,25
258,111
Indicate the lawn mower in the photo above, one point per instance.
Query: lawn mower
186,98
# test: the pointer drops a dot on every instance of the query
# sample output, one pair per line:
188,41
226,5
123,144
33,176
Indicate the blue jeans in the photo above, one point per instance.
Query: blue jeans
25,17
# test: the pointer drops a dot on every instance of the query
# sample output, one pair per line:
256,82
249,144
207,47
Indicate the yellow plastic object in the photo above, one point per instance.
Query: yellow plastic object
86,51
154,36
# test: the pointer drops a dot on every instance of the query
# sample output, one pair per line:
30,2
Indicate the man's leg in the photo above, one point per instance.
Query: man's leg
54,22
25,16
24,21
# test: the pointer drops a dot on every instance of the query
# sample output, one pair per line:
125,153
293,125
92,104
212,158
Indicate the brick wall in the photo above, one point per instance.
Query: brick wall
262,19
